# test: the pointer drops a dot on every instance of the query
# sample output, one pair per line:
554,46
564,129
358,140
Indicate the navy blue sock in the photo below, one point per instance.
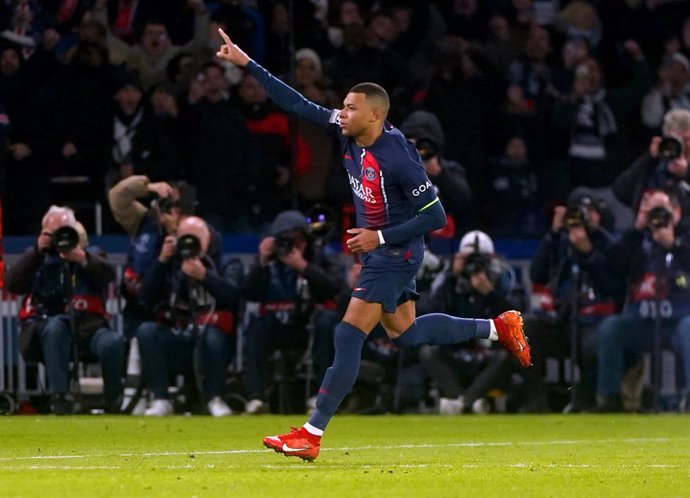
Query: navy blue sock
341,376
438,329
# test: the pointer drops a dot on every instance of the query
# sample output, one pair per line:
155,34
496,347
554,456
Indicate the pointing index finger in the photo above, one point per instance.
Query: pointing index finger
225,37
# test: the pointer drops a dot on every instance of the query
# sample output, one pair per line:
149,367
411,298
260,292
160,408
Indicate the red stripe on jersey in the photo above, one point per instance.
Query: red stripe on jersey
374,202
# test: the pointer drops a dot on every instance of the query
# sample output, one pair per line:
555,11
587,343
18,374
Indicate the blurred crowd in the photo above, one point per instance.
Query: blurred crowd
532,97
563,121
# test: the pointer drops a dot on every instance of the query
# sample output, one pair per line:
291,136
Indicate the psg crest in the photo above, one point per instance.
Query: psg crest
370,173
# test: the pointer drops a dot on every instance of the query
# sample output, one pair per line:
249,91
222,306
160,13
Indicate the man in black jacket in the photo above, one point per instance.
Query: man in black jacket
195,297
653,259
287,281
65,301
568,271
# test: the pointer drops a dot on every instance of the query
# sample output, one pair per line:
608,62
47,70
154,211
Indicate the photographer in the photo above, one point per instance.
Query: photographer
424,129
288,279
665,165
195,298
147,227
570,267
65,286
653,258
478,284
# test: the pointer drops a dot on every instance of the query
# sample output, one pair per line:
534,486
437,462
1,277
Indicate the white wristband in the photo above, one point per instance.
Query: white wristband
381,239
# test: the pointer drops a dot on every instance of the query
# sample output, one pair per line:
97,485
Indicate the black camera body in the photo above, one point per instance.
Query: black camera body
671,148
64,239
167,204
659,217
576,216
476,262
284,244
188,246
426,148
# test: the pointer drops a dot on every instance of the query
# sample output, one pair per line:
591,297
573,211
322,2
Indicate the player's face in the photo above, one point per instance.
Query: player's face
357,115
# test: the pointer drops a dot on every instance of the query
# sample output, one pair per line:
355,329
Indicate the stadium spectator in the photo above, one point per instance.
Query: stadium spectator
287,280
514,209
64,286
194,293
154,49
652,259
594,119
270,127
310,81
672,92
138,144
221,157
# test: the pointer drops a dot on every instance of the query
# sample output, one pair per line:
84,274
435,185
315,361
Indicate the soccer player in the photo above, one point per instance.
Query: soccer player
396,205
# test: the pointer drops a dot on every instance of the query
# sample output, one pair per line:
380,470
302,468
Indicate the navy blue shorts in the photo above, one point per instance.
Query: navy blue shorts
388,277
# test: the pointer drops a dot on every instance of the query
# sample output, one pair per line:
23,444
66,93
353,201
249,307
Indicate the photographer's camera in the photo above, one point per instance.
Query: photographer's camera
188,246
64,239
659,217
670,148
284,244
576,216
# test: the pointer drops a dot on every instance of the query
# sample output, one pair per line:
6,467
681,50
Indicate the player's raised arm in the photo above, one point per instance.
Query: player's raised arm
285,96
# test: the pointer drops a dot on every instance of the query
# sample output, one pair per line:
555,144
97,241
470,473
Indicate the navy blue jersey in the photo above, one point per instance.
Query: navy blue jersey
388,180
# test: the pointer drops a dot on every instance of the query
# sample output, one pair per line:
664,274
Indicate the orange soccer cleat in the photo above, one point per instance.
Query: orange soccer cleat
298,443
511,336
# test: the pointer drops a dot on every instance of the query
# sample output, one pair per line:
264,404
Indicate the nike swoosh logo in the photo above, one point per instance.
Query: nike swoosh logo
287,449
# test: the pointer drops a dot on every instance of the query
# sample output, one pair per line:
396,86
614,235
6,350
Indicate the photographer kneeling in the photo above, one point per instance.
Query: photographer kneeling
195,300
65,300
288,279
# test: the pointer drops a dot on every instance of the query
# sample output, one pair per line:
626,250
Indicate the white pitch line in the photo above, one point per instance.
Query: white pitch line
391,467
352,448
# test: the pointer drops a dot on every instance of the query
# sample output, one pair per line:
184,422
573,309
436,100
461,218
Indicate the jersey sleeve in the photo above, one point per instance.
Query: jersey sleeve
414,181
290,100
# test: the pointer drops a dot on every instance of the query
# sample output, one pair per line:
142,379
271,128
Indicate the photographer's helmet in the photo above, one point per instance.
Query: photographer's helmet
476,241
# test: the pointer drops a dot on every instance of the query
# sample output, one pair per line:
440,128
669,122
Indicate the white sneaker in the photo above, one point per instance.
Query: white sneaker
160,408
481,406
218,408
311,405
450,406
255,406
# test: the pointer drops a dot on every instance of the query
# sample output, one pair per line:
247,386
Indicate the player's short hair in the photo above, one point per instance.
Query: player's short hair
375,92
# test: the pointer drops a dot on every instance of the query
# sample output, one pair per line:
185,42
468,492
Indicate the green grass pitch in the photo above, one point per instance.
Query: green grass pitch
426,456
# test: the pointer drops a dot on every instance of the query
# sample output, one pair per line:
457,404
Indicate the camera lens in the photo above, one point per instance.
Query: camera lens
64,239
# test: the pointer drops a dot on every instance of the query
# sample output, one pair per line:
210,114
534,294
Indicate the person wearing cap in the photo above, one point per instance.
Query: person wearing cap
570,265
287,281
672,91
194,294
478,284
660,166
